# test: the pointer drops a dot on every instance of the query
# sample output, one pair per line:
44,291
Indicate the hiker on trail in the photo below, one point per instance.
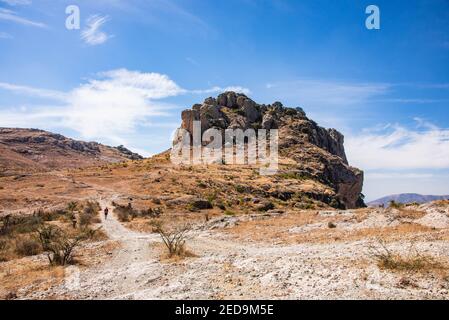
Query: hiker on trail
74,221
106,211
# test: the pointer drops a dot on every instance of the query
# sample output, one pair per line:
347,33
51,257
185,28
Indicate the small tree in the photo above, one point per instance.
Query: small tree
174,239
72,207
5,224
58,246
395,205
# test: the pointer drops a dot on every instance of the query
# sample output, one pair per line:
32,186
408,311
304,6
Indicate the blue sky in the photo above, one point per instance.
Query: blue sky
134,65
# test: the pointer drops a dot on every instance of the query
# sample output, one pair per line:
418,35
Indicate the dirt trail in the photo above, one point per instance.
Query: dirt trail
132,264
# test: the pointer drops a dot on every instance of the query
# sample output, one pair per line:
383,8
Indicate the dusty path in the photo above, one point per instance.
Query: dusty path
130,267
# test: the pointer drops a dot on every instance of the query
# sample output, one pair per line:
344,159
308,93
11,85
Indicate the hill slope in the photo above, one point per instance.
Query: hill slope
32,150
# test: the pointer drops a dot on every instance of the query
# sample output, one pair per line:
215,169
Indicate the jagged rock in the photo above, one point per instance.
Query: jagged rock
201,205
241,101
300,111
269,122
197,107
131,155
266,206
227,99
239,122
188,117
251,111
210,101
277,105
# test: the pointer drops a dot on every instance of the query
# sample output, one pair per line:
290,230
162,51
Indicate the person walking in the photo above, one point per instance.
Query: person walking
106,211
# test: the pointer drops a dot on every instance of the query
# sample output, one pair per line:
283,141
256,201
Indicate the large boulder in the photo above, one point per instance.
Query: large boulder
269,122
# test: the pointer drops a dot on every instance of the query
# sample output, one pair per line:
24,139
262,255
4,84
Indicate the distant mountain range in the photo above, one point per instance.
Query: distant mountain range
406,198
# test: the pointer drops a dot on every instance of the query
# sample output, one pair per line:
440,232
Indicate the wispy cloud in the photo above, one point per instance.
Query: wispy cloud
5,35
17,2
395,147
43,93
9,15
92,34
192,61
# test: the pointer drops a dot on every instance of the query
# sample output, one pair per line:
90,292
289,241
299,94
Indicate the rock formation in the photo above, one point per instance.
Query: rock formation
318,152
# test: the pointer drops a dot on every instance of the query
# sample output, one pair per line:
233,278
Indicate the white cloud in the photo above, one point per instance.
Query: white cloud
17,2
92,34
108,107
43,93
5,35
396,147
10,15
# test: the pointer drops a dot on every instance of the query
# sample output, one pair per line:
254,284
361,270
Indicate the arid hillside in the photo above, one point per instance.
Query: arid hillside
31,150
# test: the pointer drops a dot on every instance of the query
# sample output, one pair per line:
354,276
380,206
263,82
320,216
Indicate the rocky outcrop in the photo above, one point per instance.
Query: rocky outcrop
318,152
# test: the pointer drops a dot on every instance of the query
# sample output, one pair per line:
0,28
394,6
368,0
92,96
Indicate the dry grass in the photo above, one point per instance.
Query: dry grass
21,274
278,229
413,262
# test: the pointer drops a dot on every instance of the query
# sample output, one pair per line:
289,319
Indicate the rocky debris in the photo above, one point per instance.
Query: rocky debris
434,219
128,153
265,206
318,152
38,150
201,205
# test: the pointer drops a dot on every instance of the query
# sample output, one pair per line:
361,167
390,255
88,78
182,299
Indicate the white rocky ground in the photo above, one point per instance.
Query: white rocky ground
227,268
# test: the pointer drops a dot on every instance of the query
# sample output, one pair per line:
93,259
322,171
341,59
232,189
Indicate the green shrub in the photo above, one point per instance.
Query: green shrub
395,205
27,247
125,213
334,203
229,213
240,189
200,205
3,250
91,208
48,215
59,246
26,224
123,216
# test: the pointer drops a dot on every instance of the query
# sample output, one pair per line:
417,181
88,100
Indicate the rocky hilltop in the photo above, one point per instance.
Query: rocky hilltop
32,150
317,153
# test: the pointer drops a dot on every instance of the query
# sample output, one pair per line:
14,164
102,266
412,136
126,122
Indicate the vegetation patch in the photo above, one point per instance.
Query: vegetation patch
415,262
